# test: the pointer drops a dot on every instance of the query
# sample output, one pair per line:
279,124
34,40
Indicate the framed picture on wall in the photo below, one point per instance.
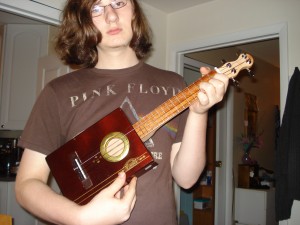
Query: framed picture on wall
250,114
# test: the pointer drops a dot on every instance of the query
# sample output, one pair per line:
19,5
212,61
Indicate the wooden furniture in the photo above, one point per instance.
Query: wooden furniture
248,176
5,219
244,176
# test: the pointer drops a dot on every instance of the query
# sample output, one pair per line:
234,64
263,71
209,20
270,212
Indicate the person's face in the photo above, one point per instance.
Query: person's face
114,25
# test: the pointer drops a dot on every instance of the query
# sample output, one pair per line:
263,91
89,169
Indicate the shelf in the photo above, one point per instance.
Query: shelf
202,203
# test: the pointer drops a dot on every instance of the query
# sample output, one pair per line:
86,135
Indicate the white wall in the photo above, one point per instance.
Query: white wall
220,17
158,22
231,16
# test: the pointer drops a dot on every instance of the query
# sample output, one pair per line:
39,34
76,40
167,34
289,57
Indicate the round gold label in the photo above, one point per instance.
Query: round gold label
114,147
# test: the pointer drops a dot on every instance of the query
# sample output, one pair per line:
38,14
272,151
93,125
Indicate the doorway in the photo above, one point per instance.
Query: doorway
224,213
265,68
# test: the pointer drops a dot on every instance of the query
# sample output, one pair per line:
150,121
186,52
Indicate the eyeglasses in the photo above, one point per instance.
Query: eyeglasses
98,9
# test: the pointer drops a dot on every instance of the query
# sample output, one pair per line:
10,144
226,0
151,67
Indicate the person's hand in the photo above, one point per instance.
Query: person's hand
113,205
211,92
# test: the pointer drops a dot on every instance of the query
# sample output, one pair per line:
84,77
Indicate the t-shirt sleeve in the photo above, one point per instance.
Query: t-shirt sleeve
42,132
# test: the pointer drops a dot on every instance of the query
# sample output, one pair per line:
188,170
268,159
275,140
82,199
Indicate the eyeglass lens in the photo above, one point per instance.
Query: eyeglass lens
98,9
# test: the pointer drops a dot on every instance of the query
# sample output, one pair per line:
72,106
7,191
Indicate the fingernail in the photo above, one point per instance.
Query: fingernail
121,174
203,91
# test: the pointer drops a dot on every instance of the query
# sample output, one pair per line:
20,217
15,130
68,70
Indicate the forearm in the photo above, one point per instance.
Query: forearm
43,202
34,195
189,159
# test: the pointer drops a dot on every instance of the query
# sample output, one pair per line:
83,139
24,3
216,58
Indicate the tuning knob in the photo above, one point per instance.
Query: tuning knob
235,82
250,73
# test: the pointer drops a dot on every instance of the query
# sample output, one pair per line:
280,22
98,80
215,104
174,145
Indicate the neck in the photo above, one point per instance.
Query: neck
116,58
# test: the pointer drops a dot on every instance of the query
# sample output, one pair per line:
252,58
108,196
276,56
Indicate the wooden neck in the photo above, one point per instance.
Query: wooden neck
147,125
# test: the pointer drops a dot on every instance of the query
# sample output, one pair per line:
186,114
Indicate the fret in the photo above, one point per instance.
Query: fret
181,101
169,109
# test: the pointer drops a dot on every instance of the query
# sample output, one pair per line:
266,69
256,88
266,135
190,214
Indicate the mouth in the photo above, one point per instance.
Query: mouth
114,31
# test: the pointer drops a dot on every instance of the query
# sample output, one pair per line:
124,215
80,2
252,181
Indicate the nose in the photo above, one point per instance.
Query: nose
110,14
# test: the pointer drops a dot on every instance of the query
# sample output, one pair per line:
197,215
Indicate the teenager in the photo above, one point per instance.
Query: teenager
108,40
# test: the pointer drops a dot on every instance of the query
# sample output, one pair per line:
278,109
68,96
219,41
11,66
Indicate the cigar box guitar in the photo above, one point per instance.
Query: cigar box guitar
91,161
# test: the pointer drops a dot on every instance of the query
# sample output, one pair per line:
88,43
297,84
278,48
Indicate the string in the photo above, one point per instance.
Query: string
192,95
116,140
162,119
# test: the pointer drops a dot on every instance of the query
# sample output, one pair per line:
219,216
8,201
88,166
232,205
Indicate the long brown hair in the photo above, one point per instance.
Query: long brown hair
78,37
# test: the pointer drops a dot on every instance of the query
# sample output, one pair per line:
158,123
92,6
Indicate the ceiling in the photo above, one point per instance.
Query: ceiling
265,50
169,6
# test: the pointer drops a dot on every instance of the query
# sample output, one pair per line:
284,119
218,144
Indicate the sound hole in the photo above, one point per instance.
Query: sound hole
114,147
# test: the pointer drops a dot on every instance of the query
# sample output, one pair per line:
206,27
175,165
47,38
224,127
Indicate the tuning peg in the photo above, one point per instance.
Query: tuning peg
235,82
238,53
223,61
250,73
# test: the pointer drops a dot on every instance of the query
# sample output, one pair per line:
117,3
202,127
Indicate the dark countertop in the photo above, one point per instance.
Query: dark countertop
8,178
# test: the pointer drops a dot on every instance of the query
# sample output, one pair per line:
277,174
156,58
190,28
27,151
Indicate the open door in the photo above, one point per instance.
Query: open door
198,203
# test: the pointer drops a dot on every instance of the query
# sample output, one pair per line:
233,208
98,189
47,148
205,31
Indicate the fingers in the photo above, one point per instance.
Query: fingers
211,92
202,96
204,70
219,81
117,185
130,192
218,87
222,79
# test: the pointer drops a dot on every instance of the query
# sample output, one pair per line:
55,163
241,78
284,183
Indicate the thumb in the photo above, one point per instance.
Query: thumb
118,183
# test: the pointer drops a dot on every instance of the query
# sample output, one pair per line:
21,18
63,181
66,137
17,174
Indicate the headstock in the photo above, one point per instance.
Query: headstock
231,69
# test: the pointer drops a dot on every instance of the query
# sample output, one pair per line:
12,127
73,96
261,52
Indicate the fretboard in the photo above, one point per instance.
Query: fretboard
169,109
147,125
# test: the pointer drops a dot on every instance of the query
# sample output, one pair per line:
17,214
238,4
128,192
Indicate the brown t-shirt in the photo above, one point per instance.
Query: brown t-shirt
75,101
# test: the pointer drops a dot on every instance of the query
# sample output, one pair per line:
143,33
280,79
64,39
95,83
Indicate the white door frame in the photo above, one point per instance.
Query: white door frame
224,147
